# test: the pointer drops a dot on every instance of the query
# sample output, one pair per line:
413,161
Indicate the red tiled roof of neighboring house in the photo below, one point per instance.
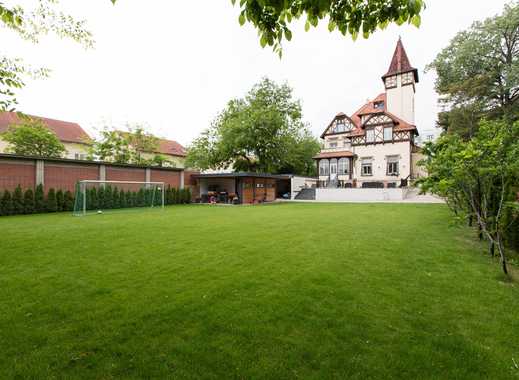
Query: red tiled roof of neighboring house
400,62
344,153
171,147
65,131
165,146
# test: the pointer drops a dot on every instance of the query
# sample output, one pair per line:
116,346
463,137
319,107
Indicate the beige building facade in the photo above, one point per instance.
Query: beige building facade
375,146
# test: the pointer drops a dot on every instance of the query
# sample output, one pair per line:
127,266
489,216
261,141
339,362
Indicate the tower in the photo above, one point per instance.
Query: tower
400,81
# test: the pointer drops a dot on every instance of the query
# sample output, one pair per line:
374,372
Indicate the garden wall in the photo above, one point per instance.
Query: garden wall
63,174
359,195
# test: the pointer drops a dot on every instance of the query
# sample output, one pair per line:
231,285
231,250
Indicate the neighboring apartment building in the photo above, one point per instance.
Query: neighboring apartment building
73,137
375,146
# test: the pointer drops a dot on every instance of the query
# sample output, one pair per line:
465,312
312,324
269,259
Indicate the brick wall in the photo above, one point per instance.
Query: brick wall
17,172
169,178
64,174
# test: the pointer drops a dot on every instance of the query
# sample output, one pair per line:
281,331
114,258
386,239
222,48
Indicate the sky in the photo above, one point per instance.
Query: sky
173,65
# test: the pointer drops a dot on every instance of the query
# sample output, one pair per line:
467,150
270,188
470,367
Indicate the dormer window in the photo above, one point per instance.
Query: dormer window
391,81
378,105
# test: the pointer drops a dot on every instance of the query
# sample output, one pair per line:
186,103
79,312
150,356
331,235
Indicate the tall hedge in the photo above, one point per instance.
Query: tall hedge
39,199
28,202
18,201
60,199
52,204
68,201
7,203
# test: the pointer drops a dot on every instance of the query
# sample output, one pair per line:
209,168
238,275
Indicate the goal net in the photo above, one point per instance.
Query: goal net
100,196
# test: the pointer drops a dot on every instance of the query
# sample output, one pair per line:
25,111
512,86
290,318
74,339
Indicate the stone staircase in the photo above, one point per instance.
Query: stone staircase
306,195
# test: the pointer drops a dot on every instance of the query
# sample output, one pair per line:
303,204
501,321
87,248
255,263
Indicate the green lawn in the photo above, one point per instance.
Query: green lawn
280,291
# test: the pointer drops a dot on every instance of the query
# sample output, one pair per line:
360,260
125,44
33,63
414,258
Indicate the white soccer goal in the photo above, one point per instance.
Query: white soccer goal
96,196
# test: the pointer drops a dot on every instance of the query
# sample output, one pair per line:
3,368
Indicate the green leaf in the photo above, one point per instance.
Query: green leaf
416,20
307,26
241,19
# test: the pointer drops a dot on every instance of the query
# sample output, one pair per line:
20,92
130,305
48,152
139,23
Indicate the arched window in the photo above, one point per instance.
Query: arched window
324,168
344,166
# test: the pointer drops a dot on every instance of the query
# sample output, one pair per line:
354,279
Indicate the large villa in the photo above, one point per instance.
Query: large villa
375,146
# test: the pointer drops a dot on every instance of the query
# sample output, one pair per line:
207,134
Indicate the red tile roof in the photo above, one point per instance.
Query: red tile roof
171,147
400,63
344,153
65,131
165,146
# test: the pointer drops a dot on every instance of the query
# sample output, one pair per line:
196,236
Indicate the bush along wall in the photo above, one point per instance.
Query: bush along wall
109,197
33,202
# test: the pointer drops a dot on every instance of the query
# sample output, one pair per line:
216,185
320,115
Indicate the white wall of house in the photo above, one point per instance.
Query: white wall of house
379,154
3,146
175,161
359,195
73,149
400,100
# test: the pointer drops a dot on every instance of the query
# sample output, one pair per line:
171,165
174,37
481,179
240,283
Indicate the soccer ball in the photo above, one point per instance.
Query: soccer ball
99,212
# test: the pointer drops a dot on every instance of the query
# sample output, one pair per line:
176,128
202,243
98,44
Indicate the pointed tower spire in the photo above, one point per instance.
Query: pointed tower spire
400,63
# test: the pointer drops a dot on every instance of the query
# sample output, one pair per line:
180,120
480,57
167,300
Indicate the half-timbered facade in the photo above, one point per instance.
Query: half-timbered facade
373,147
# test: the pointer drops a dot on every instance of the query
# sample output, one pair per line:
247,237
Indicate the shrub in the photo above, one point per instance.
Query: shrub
116,202
68,201
60,200
52,205
108,198
129,198
7,203
100,198
141,198
39,199
93,199
28,201
18,201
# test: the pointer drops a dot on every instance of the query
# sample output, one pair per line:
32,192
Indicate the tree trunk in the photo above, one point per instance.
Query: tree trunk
501,249
492,248
471,219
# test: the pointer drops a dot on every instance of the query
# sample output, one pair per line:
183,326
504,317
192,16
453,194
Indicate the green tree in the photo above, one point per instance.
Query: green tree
52,204
32,23
126,147
39,199
116,200
271,17
32,138
112,147
68,201
60,200
7,203
141,198
141,142
28,201
18,207
478,177
478,73
129,199
263,132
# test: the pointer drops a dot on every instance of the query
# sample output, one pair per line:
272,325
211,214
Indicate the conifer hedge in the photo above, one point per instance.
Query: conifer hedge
32,202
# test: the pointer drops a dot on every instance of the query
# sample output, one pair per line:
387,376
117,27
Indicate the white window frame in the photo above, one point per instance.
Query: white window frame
392,166
390,129
324,168
343,166
370,131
